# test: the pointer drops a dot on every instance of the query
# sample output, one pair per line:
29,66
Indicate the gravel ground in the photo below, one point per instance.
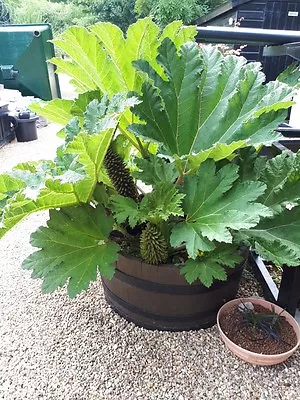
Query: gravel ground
53,348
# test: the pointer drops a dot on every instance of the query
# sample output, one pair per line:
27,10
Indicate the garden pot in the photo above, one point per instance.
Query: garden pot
158,297
249,356
26,130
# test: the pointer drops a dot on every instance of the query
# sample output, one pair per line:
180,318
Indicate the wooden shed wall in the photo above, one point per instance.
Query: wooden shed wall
276,14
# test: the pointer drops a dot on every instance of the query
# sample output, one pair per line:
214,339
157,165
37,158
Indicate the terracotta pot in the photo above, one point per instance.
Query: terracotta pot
249,356
158,296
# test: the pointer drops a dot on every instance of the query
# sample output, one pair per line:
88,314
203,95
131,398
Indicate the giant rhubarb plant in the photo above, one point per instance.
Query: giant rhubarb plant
208,189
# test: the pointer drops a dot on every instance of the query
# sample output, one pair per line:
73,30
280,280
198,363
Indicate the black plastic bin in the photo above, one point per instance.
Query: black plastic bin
26,129
7,125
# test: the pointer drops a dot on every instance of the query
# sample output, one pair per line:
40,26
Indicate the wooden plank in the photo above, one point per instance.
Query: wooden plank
263,276
292,144
288,295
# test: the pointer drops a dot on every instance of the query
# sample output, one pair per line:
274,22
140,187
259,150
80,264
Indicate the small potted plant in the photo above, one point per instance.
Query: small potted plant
159,184
258,331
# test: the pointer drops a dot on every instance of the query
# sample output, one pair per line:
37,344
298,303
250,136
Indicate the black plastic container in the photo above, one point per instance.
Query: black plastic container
26,128
7,125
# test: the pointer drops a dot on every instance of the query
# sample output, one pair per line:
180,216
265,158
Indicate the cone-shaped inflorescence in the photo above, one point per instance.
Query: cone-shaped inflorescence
153,246
119,175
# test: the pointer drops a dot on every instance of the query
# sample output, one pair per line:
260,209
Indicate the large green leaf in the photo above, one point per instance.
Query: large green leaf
205,99
100,121
100,60
73,177
33,187
210,266
9,186
216,203
141,41
101,56
277,252
103,114
251,164
73,248
159,205
204,270
19,206
34,176
282,177
154,170
190,235
178,33
164,201
291,75
277,237
87,61
125,208
56,110
64,111
71,130
217,152
90,152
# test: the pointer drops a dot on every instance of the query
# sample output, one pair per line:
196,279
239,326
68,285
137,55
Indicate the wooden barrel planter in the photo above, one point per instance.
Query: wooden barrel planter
158,297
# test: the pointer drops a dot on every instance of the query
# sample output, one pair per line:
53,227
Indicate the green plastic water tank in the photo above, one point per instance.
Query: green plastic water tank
24,51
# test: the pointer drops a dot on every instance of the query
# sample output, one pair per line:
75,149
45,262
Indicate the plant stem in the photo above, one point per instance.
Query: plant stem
143,150
180,180
136,143
133,142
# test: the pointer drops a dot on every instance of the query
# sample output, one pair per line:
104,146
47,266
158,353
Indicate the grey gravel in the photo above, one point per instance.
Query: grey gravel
54,348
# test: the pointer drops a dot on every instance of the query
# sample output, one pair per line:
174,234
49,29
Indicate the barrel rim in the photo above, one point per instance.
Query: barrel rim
170,288
162,273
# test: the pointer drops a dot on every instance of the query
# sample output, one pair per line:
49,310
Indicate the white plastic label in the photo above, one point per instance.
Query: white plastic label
293,14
